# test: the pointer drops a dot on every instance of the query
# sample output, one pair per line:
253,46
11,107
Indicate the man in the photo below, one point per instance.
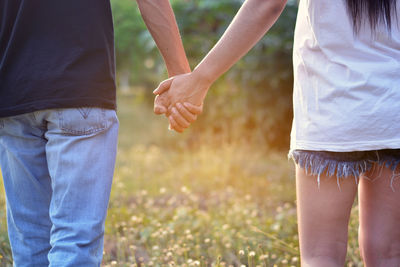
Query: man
58,127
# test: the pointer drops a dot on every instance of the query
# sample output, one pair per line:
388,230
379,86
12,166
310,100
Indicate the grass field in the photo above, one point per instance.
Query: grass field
176,204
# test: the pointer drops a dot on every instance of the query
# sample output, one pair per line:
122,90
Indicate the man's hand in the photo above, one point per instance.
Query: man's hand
185,94
161,104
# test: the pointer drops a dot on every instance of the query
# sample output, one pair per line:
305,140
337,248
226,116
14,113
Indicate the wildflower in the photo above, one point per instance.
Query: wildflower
207,240
163,190
252,253
184,189
287,205
276,227
241,252
134,219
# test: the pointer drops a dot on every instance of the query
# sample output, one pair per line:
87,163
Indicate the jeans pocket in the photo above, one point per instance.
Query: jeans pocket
82,121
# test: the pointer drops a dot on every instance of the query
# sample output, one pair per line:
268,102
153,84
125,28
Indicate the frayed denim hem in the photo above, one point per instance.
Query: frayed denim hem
346,164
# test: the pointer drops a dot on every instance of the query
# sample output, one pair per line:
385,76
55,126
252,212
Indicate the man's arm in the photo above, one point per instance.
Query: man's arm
160,20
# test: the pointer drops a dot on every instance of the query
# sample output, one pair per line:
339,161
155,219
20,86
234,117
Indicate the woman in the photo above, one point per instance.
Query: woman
346,103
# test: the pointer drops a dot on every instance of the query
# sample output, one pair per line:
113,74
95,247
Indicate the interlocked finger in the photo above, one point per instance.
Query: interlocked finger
175,125
193,108
179,118
190,117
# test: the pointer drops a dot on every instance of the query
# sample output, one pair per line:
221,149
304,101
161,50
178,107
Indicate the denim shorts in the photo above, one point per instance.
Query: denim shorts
344,164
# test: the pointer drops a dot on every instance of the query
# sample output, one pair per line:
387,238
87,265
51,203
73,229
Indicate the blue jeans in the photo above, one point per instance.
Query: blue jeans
57,169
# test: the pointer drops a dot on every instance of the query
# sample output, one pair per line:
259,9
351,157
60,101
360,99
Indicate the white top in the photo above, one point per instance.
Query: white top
346,86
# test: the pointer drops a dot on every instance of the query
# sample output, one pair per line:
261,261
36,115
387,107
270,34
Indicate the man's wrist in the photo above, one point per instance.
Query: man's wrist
178,68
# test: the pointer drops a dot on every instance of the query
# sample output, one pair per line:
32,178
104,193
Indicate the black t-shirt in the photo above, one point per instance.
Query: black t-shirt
55,54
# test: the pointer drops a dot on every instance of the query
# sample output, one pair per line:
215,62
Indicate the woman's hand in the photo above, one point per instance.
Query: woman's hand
185,96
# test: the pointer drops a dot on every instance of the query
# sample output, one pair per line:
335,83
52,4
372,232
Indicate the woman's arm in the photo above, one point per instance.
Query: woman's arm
250,24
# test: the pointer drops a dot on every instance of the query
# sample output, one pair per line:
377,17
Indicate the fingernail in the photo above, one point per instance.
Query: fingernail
174,110
179,105
169,127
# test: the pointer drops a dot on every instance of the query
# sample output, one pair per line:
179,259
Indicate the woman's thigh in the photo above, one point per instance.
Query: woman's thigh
379,206
323,216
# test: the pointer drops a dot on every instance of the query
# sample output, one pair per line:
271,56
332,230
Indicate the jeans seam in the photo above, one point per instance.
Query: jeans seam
93,130
85,111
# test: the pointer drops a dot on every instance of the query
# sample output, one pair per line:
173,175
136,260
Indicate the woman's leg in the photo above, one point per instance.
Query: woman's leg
323,215
379,232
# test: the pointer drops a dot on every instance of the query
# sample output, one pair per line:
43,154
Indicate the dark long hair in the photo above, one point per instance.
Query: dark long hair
373,11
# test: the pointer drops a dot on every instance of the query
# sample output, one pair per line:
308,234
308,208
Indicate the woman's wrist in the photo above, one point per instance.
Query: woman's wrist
204,77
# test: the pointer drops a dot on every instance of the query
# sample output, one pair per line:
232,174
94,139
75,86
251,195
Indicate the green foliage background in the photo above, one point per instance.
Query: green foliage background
251,103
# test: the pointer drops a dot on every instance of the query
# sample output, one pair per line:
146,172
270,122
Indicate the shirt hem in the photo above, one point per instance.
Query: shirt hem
57,103
346,146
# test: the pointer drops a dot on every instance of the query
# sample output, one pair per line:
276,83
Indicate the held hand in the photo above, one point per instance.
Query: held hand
162,101
161,104
183,115
186,94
